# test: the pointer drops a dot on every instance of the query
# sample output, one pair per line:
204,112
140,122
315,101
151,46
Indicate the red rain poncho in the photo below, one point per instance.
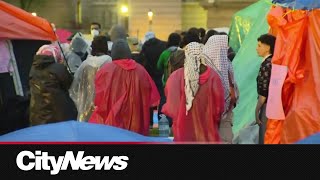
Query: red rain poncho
201,123
124,94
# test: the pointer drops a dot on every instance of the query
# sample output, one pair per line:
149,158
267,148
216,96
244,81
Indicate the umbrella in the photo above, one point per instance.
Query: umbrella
63,35
299,4
313,139
75,131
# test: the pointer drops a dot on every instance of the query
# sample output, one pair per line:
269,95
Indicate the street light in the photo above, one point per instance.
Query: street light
124,9
125,16
150,15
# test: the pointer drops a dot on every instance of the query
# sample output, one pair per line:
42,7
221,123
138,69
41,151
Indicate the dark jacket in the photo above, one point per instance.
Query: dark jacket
152,50
139,58
49,83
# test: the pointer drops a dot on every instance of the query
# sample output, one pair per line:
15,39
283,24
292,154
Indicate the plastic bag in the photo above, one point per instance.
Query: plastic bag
248,135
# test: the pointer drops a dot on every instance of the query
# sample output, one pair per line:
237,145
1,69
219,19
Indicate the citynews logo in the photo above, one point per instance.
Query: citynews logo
42,161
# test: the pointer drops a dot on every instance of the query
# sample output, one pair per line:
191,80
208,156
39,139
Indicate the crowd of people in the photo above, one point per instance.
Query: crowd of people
117,80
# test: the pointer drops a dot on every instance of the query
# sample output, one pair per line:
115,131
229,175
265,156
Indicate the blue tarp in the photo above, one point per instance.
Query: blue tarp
299,4
74,131
313,139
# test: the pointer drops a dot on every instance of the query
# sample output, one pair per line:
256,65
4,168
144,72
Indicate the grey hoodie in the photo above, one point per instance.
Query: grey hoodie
120,50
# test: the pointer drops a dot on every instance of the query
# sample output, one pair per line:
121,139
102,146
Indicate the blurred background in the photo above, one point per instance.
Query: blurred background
138,16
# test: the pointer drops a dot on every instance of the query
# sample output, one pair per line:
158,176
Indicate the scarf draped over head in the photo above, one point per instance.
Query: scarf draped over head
192,63
51,50
215,53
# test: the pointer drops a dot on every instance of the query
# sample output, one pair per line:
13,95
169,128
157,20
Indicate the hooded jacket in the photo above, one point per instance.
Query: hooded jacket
49,83
152,50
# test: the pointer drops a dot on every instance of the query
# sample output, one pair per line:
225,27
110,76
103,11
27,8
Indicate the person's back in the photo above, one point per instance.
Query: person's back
172,46
124,93
82,89
152,50
195,99
49,84
202,122
135,50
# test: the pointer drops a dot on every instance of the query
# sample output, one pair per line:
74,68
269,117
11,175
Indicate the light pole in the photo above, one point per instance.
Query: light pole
150,15
79,13
125,16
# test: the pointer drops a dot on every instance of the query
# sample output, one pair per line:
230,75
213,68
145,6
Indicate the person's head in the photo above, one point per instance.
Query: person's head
117,32
95,29
215,51
51,50
188,38
265,46
149,35
79,46
120,50
202,32
174,39
133,43
223,33
210,33
192,65
99,46
194,30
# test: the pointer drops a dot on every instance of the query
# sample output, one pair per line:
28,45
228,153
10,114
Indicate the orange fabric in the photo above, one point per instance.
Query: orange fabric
273,132
19,24
298,47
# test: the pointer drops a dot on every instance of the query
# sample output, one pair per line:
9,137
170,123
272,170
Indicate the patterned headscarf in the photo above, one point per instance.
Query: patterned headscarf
51,50
192,63
215,53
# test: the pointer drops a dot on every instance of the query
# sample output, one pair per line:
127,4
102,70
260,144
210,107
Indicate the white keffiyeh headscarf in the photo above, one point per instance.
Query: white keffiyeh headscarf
215,53
193,52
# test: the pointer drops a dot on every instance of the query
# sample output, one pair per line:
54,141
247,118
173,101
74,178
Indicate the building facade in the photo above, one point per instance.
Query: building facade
168,15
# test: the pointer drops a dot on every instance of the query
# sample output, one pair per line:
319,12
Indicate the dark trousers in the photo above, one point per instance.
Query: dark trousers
263,126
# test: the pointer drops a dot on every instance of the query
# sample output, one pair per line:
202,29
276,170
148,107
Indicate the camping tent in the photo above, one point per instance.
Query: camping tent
245,20
298,41
21,35
19,24
297,49
75,131
298,4
246,63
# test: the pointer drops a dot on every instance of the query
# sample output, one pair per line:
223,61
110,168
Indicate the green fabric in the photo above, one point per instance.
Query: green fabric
244,20
162,65
246,63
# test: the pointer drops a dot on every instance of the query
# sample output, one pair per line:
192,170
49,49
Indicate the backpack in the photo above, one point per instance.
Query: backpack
175,61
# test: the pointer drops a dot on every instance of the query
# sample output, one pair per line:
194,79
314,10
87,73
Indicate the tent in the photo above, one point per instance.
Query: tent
245,20
21,35
312,139
75,131
246,63
298,4
297,49
19,24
